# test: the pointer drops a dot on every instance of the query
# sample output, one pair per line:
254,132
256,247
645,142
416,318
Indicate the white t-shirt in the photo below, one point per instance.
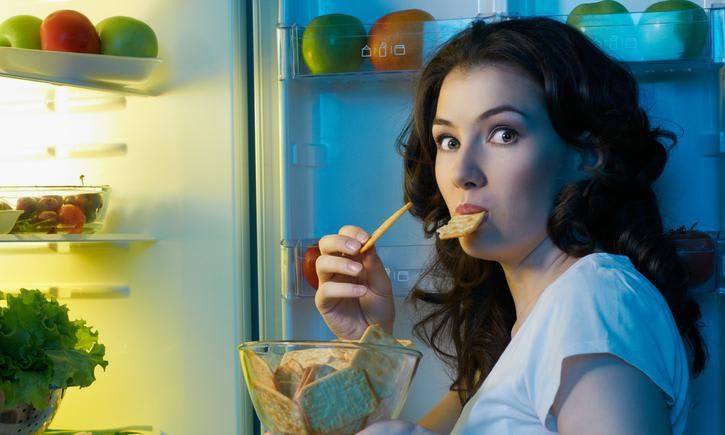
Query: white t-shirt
601,304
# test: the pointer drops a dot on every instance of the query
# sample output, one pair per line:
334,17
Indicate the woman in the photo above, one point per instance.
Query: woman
566,310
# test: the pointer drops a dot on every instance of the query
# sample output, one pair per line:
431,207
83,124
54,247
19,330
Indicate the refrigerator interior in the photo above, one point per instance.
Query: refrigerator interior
326,157
169,295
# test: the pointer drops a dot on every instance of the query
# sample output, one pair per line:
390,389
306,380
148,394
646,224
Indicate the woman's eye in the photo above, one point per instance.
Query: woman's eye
447,143
504,136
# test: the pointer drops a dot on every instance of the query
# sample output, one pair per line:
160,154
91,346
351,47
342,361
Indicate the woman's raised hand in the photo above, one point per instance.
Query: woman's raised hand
354,290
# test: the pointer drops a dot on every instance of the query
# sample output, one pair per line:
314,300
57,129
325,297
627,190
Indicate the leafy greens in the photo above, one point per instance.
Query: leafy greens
40,348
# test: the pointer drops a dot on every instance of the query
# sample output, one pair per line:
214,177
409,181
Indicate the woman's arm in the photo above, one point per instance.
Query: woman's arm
602,394
444,415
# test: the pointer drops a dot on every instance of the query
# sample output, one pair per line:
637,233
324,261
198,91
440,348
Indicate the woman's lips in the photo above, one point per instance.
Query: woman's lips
469,209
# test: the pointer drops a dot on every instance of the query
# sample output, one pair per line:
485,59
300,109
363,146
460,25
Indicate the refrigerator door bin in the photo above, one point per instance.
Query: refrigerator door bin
648,41
403,264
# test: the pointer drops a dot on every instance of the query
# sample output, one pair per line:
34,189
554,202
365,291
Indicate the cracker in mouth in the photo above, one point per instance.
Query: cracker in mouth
460,225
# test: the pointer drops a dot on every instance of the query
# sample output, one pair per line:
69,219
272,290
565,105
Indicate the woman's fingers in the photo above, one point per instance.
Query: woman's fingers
348,241
329,293
329,265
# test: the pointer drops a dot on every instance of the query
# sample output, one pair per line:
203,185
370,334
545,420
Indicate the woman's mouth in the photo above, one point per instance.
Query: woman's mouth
467,208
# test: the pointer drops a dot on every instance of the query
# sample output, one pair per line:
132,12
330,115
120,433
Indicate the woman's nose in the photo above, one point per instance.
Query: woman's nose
467,173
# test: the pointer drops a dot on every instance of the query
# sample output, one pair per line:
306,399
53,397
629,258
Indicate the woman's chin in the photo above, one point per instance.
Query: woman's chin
474,245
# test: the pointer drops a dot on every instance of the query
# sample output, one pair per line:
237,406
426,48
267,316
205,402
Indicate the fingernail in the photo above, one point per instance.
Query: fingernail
352,245
359,290
355,267
362,237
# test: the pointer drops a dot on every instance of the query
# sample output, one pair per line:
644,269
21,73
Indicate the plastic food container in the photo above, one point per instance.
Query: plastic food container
56,209
321,387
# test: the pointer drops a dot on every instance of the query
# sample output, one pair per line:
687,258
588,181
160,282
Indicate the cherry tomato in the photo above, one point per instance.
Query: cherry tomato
72,216
308,266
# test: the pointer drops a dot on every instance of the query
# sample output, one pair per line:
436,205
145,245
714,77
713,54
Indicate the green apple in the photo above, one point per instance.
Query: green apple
126,36
609,24
672,29
333,43
21,31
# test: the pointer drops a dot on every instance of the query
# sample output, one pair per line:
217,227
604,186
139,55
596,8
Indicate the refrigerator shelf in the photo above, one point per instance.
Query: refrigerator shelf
74,291
404,264
62,242
127,75
651,43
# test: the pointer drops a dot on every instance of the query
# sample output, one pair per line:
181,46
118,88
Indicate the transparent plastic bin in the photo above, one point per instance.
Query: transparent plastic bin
659,38
403,263
56,209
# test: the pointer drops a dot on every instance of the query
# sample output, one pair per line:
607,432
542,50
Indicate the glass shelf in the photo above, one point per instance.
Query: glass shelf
75,291
63,243
648,45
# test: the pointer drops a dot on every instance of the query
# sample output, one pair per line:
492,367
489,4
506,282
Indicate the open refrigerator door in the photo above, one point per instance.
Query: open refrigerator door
319,111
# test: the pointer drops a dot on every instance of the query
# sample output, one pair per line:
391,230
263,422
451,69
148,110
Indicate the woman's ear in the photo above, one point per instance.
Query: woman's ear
590,158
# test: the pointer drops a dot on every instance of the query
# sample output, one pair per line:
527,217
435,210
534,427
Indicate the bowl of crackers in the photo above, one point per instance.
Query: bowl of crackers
328,387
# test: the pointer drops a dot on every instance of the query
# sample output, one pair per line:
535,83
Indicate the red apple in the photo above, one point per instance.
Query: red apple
697,249
68,30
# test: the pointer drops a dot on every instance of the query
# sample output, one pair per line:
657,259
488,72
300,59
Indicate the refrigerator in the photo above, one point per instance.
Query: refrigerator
325,156
226,164
166,282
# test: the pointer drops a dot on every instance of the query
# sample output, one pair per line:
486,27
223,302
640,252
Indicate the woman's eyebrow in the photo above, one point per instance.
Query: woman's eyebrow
487,114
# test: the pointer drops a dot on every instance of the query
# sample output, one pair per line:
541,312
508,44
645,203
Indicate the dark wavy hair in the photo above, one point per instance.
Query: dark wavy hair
593,104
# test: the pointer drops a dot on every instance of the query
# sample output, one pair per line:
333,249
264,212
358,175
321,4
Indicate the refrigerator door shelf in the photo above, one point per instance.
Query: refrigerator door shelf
649,43
404,264
403,46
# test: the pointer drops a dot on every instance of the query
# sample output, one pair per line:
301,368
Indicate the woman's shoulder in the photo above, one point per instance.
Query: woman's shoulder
604,278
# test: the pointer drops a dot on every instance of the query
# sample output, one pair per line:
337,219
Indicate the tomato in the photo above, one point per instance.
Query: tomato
396,40
72,216
309,269
697,249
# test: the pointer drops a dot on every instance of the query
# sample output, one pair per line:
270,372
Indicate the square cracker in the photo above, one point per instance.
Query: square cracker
338,358
382,368
279,412
338,400
312,373
287,377
256,369
460,225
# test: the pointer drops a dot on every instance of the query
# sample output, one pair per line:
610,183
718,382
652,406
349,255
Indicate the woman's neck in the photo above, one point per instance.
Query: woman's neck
528,277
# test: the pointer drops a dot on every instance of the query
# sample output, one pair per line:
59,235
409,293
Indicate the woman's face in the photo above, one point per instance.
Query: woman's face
497,150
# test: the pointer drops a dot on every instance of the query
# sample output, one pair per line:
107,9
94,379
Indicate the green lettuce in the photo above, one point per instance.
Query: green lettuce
40,349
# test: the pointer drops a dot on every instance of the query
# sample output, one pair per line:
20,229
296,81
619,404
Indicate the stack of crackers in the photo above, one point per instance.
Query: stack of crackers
333,390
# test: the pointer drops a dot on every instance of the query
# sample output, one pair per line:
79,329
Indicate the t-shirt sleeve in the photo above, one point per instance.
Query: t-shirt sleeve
622,317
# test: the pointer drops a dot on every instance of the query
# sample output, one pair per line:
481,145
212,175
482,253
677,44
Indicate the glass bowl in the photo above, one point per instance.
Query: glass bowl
56,209
25,419
325,387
